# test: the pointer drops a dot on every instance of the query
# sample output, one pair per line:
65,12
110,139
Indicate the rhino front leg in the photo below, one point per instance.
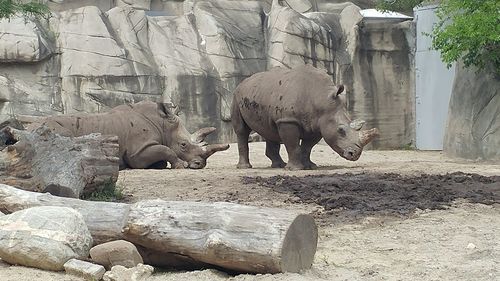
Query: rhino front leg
306,147
154,154
273,153
290,136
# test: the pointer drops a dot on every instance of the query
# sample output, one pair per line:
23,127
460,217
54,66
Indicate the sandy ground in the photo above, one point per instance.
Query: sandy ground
460,242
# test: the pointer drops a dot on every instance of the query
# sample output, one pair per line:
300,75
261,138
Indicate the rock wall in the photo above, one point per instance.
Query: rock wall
91,58
473,127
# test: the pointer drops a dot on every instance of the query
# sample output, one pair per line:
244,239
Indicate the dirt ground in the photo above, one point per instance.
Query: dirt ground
391,215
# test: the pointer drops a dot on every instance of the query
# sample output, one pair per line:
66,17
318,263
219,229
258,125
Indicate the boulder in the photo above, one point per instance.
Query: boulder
294,39
135,4
119,252
140,272
24,41
86,270
473,126
44,237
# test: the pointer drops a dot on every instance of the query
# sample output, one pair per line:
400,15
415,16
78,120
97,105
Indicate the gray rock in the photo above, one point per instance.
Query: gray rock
24,41
44,237
295,39
120,273
135,4
86,270
118,252
473,126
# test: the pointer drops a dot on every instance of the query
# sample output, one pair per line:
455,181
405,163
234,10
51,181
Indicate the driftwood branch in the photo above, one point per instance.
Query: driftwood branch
189,234
44,161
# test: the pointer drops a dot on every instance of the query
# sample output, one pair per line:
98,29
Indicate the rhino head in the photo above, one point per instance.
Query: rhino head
191,148
342,134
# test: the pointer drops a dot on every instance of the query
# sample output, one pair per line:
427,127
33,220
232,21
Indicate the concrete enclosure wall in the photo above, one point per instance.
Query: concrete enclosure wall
94,55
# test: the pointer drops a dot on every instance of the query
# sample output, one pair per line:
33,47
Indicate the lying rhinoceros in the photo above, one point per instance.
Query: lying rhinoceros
148,134
296,107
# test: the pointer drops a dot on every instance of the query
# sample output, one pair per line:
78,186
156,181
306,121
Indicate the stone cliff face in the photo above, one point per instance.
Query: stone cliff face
93,55
473,127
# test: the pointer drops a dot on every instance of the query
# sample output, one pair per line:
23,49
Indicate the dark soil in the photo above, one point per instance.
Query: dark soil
348,197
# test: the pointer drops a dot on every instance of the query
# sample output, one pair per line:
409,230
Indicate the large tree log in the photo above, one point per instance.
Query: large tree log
44,161
236,237
105,220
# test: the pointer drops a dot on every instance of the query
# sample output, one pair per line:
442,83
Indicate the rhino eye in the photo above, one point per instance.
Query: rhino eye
341,131
183,145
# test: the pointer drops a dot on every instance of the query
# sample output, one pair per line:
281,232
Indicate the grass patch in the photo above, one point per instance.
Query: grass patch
110,192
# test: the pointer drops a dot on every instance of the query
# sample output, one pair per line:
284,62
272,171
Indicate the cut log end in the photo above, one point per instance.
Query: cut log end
299,245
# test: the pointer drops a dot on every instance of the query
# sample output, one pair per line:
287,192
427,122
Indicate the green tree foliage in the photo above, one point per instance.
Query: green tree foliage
9,8
467,30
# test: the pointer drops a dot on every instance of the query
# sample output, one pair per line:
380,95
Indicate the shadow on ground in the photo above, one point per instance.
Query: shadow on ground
350,197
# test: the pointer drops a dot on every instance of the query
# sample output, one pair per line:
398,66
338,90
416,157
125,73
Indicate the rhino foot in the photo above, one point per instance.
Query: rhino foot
294,167
310,166
278,164
244,166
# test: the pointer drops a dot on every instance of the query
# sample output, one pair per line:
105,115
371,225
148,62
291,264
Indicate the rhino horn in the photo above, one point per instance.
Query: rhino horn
357,124
212,148
200,135
367,136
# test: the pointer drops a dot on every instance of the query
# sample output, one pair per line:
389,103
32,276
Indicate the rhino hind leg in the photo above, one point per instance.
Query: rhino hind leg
290,136
273,153
306,148
242,131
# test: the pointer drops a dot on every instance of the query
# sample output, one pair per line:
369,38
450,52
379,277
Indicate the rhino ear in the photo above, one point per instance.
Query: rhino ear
164,110
337,90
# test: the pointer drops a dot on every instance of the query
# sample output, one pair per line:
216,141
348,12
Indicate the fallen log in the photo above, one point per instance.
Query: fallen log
183,234
44,161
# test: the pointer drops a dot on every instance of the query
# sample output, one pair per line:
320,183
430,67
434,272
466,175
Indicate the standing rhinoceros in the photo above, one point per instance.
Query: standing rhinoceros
148,134
290,105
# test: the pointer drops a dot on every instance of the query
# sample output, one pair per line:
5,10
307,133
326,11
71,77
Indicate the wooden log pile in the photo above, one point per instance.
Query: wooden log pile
190,234
44,161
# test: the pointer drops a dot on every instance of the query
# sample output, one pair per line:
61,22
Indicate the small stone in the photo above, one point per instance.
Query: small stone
471,246
120,273
119,252
86,270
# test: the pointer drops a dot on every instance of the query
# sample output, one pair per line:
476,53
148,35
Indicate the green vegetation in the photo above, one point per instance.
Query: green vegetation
37,9
467,30
110,192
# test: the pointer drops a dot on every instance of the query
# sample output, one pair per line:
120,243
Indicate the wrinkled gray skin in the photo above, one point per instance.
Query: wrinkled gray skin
149,135
296,107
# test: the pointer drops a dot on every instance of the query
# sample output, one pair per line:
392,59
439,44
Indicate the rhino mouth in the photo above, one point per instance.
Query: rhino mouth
352,153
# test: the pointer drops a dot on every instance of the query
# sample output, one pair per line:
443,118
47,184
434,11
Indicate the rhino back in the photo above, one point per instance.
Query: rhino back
133,130
283,95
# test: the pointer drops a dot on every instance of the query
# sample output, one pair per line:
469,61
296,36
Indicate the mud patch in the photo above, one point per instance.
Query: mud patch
350,197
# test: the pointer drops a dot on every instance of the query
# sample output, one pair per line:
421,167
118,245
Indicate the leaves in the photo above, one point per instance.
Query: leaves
467,30
9,8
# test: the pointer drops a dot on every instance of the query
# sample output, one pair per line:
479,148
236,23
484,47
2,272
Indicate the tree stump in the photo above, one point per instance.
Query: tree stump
191,234
44,161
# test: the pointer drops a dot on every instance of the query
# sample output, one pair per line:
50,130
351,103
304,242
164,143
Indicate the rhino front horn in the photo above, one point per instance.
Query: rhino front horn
212,148
367,136
200,135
